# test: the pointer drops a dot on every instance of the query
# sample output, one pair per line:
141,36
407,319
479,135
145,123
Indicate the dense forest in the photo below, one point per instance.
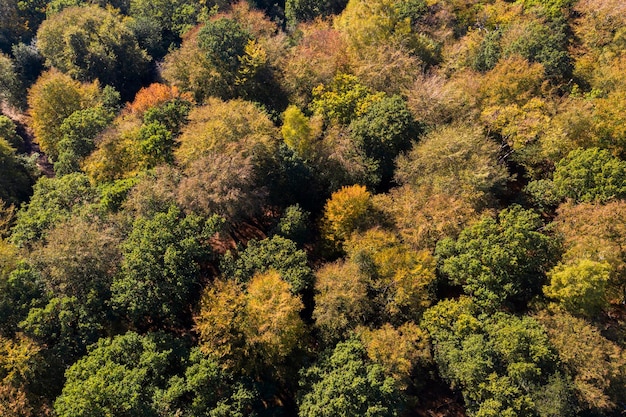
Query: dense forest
312,208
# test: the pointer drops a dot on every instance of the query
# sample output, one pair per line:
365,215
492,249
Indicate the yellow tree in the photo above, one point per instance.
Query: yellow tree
53,98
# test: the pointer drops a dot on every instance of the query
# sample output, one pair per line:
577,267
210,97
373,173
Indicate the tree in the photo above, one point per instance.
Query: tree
79,130
19,360
15,181
341,300
499,261
347,211
21,289
206,389
53,98
590,175
504,365
346,384
306,10
8,132
423,216
580,287
385,129
399,280
10,85
273,254
343,100
595,364
54,200
369,24
90,43
161,266
403,352
251,329
595,232
456,161
118,377
223,127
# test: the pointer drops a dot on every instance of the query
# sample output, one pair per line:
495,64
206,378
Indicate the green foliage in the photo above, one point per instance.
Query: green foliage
504,365
590,175
53,200
580,287
10,86
8,132
205,389
276,253
113,195
385,129
15,181
66,325
161,266
307,10
346,384
117,377
79,130
21,289
90,43
173,18
499,261
52,99
293,225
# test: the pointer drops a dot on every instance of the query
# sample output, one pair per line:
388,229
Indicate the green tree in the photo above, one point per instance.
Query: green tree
343,100
117,377
499,261
90,43
385,129
504,365
347,384
206,389
15,181
79,130
276,253
580,287
8,132
21,289
161,266
53,201
590,175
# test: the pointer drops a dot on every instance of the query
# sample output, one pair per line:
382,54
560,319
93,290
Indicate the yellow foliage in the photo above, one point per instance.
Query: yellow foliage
272,326
250,328
347,211
423,216
118,154
341,301
225,127
401,277
254,58
398,350
222,308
